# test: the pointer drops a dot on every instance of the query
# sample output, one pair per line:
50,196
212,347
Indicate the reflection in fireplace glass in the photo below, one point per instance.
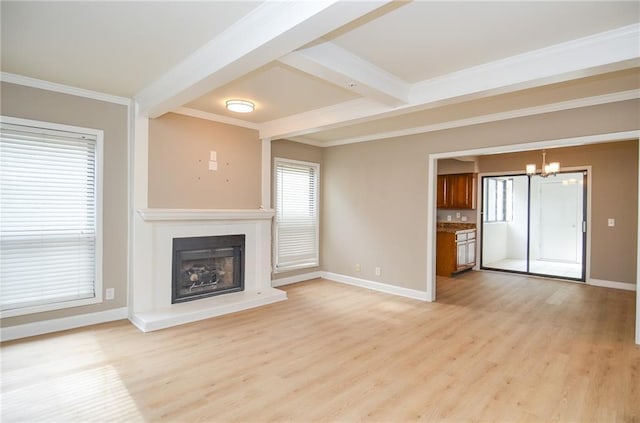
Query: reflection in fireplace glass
204,270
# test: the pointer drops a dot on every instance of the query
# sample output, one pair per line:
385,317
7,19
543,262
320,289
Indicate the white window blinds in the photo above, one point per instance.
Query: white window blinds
296,225
48,224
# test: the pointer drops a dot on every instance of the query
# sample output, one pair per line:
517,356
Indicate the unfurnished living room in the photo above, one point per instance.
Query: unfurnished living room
303,211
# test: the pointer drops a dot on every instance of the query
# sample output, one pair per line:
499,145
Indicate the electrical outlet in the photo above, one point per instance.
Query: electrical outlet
448,218
110,293
378,271
611,222
464,218
357,267
457,215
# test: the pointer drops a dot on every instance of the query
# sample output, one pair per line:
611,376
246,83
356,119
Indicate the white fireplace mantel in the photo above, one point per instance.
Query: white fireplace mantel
151,289
153,215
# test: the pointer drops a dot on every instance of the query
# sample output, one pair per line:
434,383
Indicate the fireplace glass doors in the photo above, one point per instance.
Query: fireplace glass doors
207,266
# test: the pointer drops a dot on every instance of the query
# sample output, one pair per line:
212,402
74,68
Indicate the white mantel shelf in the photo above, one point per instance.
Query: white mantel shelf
154,215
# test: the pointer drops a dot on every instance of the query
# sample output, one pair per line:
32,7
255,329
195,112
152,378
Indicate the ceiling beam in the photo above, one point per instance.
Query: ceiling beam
591,55
185,111
341,67
270,31
601,53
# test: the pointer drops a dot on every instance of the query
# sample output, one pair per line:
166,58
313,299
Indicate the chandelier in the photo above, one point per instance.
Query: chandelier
547,169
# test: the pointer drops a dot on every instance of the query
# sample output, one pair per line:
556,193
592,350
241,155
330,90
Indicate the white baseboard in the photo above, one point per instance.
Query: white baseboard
55,325
376,286
611,284
349,280
295,279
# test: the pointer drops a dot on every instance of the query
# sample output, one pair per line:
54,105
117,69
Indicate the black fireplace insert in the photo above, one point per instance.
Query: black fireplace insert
207,266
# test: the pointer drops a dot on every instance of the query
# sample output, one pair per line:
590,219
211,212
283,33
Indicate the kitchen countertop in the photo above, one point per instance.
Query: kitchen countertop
454,226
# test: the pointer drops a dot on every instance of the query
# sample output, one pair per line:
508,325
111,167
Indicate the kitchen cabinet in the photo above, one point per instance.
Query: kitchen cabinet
455,252
457,191
466,248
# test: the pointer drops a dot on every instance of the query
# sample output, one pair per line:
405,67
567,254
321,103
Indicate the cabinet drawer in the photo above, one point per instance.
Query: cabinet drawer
461,237
471,235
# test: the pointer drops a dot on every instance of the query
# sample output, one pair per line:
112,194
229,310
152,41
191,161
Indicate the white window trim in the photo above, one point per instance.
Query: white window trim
316,263
99,135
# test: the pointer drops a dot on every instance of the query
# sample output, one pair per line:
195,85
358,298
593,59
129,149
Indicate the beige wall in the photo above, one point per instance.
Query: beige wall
179,175
614,194
452,166
307,153
32,103
375,193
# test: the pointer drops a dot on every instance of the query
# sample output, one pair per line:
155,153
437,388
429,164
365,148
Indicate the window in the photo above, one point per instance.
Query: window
498,199
50,239
296,224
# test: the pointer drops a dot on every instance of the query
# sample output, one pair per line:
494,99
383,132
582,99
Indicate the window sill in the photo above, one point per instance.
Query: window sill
295,267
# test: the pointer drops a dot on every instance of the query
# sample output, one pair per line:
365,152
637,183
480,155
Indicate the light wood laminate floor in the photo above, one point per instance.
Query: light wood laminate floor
493,348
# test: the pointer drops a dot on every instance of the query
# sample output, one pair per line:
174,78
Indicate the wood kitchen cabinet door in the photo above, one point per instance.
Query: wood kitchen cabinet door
462,191
457,191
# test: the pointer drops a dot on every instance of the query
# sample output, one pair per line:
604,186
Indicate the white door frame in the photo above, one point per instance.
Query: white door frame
432,162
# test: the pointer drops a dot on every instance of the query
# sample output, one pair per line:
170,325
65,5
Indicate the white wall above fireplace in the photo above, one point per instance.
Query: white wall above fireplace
151,288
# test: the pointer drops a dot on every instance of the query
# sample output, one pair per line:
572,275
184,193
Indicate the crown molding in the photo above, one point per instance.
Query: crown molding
494,117
539,145
185,111
63,89
305,141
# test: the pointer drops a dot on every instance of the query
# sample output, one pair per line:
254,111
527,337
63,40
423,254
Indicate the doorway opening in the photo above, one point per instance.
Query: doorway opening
535,225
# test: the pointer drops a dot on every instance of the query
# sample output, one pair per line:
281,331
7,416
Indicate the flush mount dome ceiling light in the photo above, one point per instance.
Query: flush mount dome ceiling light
240,106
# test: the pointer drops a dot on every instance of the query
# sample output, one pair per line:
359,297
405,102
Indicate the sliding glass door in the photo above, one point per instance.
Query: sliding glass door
535,225
556,242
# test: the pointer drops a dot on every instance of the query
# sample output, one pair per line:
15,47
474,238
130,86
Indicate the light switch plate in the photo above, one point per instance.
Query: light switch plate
448,218
611,222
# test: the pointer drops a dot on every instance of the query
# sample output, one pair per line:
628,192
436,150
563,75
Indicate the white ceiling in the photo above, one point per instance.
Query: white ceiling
277,91
444,37
326,72
111,47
